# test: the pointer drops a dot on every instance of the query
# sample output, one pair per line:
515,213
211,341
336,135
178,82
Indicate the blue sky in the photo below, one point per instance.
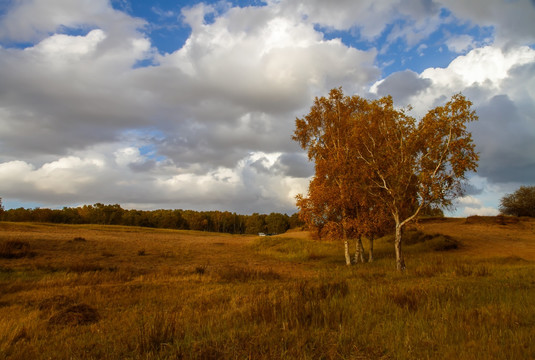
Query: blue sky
189,104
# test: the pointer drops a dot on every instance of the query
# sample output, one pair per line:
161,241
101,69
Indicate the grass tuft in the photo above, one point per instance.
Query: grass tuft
84,267
158,331
15,249
243,274
55,303
73,315
409,299
200,270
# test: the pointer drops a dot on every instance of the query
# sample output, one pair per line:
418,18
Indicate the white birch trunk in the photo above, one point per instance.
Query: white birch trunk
370,253
359,251
346,252
400,261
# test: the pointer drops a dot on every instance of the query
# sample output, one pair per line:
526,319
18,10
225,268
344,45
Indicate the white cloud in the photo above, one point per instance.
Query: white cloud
512,20
30,20
209,125
468,200
460,43
481,211
499,83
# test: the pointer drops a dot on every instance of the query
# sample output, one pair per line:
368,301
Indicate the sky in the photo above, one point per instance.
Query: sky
192,105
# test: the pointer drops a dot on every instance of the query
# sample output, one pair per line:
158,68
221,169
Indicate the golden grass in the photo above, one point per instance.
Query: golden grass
109,292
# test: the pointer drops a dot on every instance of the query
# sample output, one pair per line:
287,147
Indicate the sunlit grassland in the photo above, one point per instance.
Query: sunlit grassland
106,292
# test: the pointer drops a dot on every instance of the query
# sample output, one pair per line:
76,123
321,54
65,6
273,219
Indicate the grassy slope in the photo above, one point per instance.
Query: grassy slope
118,292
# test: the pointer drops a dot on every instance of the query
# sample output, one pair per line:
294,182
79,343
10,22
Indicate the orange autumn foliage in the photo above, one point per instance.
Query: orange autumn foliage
376,166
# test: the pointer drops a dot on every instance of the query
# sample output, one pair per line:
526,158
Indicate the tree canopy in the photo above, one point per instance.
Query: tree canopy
373,162
519,203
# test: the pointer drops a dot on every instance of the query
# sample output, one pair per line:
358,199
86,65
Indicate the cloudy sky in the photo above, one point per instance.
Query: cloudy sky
188,104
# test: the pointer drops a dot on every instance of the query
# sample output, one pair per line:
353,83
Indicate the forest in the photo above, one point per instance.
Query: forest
213,221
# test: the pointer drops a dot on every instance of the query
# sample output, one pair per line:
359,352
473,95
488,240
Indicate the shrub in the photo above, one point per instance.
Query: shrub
519,203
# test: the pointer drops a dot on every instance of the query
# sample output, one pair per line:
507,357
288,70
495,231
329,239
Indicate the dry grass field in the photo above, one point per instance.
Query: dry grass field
110,292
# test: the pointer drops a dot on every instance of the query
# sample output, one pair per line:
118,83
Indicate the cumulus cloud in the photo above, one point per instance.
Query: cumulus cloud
232,90
500,84
469,206
402,85
371,18
512,20
30,20
460,44
209,125
97,178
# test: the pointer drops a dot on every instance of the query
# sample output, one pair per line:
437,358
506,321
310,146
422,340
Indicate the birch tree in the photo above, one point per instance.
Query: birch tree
326,134
373,161
416,165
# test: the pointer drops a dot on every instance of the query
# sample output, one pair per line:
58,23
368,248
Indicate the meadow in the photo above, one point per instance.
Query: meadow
114,292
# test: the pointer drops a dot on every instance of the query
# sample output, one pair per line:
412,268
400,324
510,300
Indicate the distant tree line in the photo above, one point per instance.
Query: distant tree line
214,221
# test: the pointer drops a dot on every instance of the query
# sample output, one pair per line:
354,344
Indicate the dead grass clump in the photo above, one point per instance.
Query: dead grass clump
429,270
200,270
325,290
483,271
463,270
15,249
409,299
510,260
80,314
84,267
412,237
5,270
161,330
445,243
55,303
210,350
243,274
316,256
302,305
21,335
468,270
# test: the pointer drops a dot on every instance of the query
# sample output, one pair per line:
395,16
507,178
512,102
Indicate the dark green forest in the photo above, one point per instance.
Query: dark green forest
214,221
